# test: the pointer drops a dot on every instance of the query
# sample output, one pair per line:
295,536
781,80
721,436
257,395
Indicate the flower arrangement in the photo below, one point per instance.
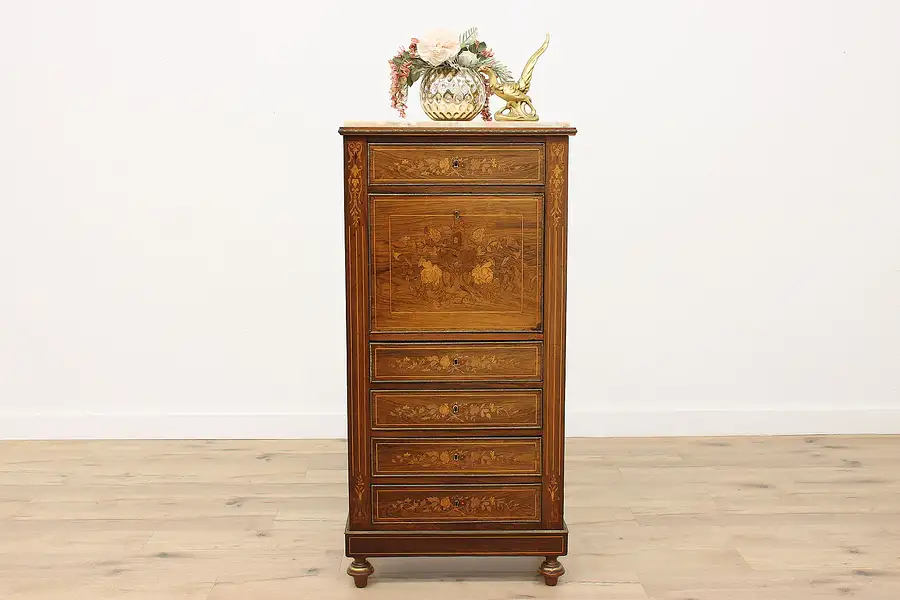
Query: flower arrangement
442,48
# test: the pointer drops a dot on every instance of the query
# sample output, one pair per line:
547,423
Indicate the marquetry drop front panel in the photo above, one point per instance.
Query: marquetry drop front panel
456,252
457,262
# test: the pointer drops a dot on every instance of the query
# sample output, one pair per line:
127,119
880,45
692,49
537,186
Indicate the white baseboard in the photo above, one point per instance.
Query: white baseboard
578,424
208,426
733,422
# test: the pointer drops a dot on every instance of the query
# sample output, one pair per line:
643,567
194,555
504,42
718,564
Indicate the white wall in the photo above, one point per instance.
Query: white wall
170,210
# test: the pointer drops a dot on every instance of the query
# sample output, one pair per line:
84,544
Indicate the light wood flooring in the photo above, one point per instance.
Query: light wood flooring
799,518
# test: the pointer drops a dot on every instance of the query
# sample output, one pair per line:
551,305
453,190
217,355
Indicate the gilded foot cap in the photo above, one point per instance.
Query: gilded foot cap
360,570
551,569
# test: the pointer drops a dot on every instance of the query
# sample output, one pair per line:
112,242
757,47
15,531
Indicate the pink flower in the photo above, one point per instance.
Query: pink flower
486,109
399,87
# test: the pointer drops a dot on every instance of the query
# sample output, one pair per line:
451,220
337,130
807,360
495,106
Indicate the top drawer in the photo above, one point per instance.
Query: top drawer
456,164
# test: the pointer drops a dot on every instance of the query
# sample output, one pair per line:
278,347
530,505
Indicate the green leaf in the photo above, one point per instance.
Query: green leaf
468,36
502,71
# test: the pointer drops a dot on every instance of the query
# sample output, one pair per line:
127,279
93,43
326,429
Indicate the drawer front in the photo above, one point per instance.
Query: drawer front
520,503
456,362
483,456
456,409
457,263
454,163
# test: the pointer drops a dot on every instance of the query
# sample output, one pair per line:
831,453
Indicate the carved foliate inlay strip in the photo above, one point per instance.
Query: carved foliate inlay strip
555,330
354,182
357,332
359,489
557,180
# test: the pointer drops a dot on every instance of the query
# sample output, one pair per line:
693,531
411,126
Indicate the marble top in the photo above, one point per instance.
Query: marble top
477,127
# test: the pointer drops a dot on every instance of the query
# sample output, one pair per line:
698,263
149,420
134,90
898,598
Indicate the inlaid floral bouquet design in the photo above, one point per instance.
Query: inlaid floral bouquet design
458,265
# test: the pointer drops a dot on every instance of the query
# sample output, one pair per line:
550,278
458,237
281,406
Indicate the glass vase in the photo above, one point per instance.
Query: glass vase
452,94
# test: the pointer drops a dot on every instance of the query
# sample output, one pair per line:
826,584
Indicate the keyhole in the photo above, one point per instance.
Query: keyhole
456,502
456,362
456,456
456,214
455,163
455,408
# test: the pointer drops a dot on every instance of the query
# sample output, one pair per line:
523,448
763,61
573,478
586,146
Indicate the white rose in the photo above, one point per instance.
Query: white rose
438,46
467,59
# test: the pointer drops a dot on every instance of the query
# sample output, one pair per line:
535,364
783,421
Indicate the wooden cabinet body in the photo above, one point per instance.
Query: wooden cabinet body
456,295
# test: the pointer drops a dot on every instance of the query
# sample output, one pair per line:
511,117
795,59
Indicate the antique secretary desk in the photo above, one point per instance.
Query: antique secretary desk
456,323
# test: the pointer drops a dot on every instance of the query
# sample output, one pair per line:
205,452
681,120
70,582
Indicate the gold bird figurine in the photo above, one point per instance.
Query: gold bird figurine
518,102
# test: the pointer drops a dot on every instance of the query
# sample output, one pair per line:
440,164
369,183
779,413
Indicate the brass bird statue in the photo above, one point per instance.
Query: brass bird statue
518,102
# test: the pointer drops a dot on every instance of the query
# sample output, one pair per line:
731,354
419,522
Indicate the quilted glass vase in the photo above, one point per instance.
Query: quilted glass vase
452,94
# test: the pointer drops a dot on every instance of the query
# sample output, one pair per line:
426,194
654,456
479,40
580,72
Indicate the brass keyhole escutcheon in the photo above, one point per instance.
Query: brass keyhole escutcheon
455,408
456,502
456,362
456,214
455,163
456,456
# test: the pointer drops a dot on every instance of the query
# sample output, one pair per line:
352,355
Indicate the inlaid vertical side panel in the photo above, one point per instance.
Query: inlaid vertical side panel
357,293
555,327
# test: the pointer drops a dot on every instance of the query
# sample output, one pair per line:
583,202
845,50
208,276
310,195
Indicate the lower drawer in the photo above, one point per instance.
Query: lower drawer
454,456
456,409
457,504
485,361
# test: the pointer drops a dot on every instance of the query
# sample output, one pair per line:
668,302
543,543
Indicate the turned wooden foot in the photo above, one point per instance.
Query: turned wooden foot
359,570
551,569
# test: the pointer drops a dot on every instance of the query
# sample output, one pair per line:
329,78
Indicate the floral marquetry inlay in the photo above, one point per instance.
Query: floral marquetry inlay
490,504
359,490
500,361
553,488
455,505
464,412
458,363
492,409
456,458
467,456
446,166
456,163
354,182
449,264
557,180
458,262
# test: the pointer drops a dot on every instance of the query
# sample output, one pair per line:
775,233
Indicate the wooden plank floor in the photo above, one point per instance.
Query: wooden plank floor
666,519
